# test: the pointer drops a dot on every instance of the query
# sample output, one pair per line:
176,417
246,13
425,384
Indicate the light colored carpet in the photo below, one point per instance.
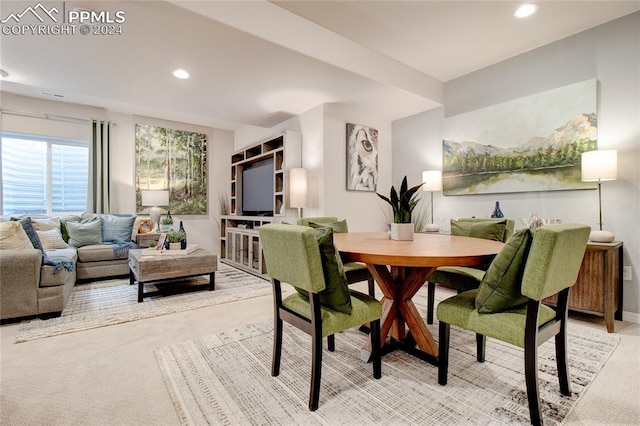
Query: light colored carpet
111,302
225,378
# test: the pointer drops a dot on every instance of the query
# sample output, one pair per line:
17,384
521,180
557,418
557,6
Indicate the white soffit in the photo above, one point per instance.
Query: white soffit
272,23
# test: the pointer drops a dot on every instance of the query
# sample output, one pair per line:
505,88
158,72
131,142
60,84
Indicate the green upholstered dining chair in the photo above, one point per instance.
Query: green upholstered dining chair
355,271
297,255
463,278
507,305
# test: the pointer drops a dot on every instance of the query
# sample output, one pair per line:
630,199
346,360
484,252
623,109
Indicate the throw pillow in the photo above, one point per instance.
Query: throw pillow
117,228
339,227
46,224
27,225
489,230
336,293
500,288
52,239
85,232
63,226
13,236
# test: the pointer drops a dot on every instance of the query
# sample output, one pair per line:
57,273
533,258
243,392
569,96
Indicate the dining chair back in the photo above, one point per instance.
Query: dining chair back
463,278
355,271
551,266
292,255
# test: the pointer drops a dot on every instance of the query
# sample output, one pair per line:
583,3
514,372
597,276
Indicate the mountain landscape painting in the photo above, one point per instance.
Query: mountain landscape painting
525,145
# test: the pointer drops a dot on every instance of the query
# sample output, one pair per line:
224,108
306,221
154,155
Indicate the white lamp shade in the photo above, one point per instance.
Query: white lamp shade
599,165
432,180
298,187
155,198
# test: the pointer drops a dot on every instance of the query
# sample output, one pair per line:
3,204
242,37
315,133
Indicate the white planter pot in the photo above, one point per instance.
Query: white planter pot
402,231
174,246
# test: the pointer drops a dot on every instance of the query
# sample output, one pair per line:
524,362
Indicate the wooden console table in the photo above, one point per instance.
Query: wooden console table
598,290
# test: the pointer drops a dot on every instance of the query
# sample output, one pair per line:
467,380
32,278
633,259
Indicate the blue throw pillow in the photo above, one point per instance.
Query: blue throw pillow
117,228
27,225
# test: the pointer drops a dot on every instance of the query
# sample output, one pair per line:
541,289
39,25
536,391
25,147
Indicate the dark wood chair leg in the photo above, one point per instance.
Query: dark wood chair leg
277,346
316,371
331,343
443,352
481,346
372,287
375,349
561,343
431,294
531,361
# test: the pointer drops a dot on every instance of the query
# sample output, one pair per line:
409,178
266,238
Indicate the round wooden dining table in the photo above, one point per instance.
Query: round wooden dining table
401,268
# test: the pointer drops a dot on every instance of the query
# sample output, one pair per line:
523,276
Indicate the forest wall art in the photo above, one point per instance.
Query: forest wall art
175,160
528,144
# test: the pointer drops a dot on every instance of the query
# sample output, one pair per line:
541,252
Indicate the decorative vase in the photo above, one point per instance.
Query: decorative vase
497,213
601,236
174,246
402,231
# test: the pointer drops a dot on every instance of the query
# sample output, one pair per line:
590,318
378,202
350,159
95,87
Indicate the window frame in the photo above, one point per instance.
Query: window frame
50,141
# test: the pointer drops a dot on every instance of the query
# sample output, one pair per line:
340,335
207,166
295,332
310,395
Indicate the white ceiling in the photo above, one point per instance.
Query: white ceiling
259,63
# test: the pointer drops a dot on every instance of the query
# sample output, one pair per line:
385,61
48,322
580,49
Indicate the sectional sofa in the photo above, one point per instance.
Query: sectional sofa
38,274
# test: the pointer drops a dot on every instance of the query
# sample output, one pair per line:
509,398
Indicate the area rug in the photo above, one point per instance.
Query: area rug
225,379
111,302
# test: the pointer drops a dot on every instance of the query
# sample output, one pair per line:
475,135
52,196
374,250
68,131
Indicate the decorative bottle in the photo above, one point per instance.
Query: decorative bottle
183,243
497,213
169,218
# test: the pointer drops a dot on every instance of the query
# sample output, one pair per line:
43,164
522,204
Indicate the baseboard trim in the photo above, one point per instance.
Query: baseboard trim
631,317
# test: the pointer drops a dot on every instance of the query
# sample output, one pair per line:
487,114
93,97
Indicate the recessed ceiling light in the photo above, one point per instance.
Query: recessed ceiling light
3,74
525,10
181,74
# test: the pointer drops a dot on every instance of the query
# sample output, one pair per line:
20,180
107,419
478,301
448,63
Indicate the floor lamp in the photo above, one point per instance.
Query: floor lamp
298,189
600,166
155,198
432,181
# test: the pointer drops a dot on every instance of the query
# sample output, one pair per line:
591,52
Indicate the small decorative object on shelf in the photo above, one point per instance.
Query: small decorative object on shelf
497,213
183,243
166,224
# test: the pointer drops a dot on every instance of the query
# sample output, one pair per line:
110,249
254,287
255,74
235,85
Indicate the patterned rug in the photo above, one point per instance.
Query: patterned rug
225,379
111,302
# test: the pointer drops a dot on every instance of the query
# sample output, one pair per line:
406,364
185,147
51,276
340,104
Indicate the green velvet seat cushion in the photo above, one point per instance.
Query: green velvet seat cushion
508,325
457,277
489,230
365,309
336,293
500,287
339,226
85,232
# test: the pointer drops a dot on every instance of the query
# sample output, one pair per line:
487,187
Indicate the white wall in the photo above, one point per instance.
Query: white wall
201,229
609,53
323,131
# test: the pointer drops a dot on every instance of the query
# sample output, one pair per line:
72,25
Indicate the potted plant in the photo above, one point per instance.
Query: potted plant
402,203
166,223
175,238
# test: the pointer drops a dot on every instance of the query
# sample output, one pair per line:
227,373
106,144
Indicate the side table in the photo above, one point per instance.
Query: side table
598,289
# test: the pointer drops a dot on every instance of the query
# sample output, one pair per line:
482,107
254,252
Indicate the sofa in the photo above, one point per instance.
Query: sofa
42,258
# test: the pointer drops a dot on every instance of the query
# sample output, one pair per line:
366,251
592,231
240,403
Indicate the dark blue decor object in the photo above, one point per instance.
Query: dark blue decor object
183,243
497,213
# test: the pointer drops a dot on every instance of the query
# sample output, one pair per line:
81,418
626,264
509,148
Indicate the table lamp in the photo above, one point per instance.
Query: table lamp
600,166
298,189
155,198
432,181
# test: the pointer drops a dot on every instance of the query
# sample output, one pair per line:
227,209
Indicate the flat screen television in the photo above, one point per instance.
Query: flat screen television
257,189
